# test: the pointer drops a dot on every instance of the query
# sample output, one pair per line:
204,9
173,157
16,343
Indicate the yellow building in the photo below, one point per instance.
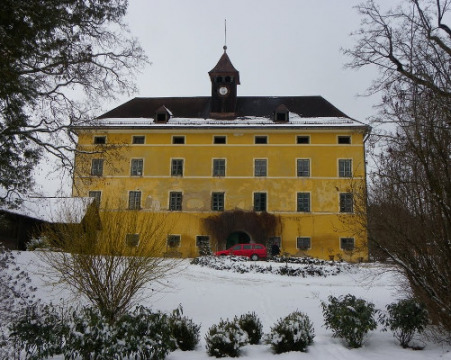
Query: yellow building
226,169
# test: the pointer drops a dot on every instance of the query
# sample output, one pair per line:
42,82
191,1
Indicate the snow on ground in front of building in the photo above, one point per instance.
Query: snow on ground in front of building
208,295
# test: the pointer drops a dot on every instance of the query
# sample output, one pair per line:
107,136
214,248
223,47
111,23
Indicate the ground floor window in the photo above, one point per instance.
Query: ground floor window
132,240
347,244
173,241
303,243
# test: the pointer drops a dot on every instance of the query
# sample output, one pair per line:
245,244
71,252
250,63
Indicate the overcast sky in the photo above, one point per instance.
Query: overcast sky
280,47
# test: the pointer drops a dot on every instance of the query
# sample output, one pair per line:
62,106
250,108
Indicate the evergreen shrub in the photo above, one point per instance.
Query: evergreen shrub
350,318
252,325
185,332
292,333
225,339
405,318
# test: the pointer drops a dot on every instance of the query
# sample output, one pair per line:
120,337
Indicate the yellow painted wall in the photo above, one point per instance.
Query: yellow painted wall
324,224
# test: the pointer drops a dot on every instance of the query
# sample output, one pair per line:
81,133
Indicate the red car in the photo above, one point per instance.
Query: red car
254,251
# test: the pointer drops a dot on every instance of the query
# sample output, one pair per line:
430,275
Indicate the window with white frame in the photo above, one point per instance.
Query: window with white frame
175,201
261,139
303,202
303,243
178,139
138,139
134,200
97,167
345,168
219,139
219,167
260,167
217,201
260,201
303,167
302,139
137,167
177,167
347,244
346,203
344,140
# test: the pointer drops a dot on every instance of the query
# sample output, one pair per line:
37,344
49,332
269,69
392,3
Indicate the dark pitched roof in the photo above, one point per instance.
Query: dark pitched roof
225,66
247,106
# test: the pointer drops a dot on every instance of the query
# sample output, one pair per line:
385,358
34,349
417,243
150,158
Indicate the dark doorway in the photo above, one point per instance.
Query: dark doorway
237,237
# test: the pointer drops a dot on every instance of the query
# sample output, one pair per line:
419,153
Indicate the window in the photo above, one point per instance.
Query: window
303,167
219,140
260,167
138,139
178,139
346,203
345,168
137,167
175,201
344,139
97,195
162,117
247,247
303,202
132,240
219,167
217,201
177,167
98,140
97,167
347,244
302,139
261,139
281,116
134,200
303,243
173,241
202,241
259,201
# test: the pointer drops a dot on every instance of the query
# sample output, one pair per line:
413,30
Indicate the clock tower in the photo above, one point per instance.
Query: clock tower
224,80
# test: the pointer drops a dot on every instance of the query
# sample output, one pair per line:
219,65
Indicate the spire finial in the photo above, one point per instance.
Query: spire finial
225,35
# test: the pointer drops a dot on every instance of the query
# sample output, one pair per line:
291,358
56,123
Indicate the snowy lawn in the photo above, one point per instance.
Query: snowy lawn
207,295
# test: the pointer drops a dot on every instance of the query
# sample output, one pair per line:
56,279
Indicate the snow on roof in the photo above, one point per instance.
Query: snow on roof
295,121
53,210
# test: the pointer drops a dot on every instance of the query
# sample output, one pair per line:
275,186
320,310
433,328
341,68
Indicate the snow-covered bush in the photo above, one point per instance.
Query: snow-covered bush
185,332
349,318
252,325
292,333
225,339
38,332
405,318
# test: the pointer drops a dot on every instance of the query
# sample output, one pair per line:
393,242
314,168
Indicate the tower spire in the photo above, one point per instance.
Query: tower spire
225,35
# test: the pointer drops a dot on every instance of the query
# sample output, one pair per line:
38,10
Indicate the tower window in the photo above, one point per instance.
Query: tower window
219,79
261,139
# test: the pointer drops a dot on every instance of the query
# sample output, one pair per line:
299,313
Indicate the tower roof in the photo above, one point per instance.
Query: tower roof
225,67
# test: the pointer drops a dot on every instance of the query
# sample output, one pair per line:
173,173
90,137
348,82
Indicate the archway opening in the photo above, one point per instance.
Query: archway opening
237,237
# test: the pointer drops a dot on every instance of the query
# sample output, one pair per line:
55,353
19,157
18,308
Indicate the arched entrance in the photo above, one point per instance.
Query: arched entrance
237,237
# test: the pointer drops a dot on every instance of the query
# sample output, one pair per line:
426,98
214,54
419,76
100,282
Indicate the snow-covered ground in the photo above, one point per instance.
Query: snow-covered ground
207,295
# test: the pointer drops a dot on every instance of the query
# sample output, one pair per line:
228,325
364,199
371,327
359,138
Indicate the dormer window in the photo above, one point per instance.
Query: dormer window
281,113
162,114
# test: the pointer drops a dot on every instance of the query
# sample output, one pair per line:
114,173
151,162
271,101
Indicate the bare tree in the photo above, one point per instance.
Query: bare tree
111,258
58,58
409,214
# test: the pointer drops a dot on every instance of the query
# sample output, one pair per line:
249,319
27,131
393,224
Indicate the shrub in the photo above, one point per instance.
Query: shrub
185,332
225,339
39,332
37,243
293,333
405,318
252,325
349,318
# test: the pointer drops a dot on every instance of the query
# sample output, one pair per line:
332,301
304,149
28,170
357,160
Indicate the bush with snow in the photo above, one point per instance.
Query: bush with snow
37,243
292,333
185,332
405,318
350,318
225,339
252,325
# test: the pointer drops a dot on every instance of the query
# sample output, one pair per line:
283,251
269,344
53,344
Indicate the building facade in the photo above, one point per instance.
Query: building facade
226,169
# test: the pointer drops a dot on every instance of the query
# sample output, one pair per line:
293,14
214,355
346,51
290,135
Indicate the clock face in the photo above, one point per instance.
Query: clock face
223,90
